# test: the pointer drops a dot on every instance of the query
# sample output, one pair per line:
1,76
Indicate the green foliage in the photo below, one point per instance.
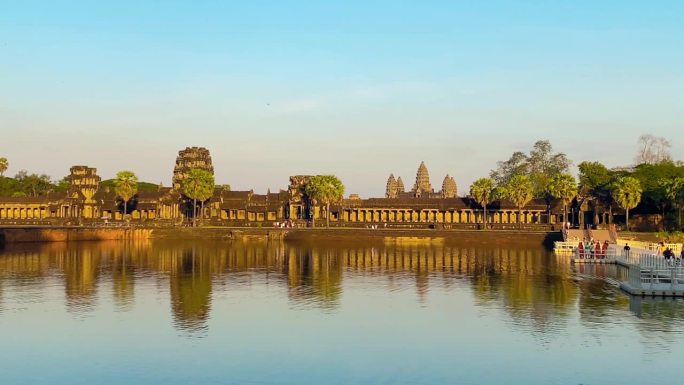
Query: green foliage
654,179
482,190
31,185
198,184
4,164
62,185
126,185
670,237
519,190
673,188
627,192
563,187
540,166
593,176
325,189
8,186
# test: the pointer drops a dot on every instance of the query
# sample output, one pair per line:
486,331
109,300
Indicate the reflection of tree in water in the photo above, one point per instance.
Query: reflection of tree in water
599,299
190,283
123,280
314,276
529,284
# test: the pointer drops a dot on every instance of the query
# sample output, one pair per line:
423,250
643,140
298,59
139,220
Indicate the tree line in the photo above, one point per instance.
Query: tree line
655,184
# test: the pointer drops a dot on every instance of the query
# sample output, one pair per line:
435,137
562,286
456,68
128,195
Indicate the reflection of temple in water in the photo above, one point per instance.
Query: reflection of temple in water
528,284
190,284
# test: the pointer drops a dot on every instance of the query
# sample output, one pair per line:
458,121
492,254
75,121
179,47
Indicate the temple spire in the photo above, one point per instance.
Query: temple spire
391,188
448,187
422,180
400,185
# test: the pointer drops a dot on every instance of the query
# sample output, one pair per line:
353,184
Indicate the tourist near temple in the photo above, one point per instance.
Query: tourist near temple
88,202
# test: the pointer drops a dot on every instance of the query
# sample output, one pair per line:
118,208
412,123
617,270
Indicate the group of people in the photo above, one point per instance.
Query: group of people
288,223
669,254
592,249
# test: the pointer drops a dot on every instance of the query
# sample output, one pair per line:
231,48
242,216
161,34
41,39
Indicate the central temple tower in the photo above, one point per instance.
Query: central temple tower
422,181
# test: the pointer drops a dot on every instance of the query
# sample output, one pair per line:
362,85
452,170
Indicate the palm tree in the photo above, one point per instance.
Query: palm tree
198,184
325,189
563,187
125,186
482,190
4,164
519,190
627,193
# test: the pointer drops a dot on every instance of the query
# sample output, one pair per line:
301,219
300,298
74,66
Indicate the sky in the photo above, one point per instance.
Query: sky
359,89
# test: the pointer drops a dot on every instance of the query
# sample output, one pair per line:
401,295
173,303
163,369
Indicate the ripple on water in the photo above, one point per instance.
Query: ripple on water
330,314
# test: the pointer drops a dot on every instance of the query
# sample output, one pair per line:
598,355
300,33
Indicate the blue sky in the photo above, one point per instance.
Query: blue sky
357,88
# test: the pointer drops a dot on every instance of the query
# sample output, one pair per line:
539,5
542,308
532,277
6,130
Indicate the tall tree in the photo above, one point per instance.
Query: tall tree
4,164
540,165
517,164
198,185
627,193
673,191
595,181
482,190
125,186
33,185
326,189
519,190
593,175
652,149
563,187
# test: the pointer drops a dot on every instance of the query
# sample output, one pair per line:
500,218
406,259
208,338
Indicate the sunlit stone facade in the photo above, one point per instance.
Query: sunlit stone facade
86,203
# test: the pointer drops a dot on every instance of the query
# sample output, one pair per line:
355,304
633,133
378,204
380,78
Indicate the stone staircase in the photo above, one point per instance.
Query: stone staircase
603,235
582,234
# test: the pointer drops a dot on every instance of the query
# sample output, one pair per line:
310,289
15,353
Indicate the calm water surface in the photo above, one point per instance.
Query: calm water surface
325,313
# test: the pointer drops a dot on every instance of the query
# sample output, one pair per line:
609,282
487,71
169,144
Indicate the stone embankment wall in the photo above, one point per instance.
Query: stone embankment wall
18,235
475,237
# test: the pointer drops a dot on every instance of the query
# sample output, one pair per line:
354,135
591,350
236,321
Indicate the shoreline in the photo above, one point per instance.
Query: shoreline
26,234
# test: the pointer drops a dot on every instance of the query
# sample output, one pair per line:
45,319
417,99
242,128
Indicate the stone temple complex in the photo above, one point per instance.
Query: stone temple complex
87,202
422,187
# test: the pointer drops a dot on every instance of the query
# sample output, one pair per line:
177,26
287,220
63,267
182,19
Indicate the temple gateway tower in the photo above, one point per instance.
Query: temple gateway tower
83,184
191,157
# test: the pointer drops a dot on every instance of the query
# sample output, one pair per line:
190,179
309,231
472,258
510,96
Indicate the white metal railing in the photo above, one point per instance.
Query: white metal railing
646,259
649,270
608,254
671,278
651,246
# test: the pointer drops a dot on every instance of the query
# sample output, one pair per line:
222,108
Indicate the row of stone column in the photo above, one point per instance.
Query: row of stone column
23,212
438,216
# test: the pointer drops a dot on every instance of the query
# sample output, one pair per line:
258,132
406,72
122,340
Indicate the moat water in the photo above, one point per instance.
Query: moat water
366,312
